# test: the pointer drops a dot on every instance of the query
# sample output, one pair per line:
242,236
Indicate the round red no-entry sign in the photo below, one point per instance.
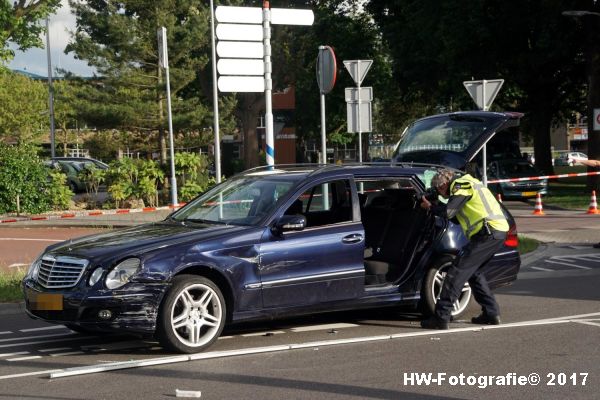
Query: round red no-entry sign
326,69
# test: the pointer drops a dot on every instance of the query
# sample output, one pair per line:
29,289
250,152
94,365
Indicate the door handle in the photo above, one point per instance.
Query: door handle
354,238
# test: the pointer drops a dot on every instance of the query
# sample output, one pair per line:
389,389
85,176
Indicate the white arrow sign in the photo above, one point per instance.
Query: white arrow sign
240,66
484,92
241,84
240,49
239,32
358,69
253,15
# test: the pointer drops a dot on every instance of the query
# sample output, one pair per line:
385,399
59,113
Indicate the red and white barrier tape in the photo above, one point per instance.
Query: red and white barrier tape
94,213
539,178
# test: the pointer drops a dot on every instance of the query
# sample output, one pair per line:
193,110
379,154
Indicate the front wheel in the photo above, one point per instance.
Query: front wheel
432,287
192,315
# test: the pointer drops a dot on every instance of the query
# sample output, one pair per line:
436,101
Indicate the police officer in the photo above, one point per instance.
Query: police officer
483,222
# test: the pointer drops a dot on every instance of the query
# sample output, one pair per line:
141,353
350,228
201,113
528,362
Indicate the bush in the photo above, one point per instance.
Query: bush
23,175
133,180
59,194
193,177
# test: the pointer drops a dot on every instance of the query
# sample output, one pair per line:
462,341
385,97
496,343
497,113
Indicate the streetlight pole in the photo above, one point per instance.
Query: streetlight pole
591,25
50,91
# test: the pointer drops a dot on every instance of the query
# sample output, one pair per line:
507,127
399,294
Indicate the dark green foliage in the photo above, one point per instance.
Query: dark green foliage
22,174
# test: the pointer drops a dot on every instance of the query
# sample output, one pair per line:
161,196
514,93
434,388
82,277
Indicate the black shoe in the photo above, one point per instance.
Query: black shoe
434,322
484,319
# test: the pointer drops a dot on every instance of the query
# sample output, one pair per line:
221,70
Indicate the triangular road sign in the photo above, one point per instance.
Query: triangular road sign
476,91
358,69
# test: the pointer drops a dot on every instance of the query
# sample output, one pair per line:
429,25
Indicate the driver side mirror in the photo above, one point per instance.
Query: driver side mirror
290,223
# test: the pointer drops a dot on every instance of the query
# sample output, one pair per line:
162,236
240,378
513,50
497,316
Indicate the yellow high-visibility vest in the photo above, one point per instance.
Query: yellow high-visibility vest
482,206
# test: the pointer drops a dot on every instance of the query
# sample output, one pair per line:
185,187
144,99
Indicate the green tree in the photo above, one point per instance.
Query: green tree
119,39
24,108
21,23
436,45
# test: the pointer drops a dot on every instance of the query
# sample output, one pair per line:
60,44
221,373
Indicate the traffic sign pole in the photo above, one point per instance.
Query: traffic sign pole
270,140
215,96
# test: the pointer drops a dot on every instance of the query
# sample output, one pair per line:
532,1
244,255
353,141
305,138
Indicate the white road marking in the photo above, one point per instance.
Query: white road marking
17,265
38,342
68,353
23,358
568,264
322,327
55,349
19,353
36,337
263,333
5,332
34,240
542,269
225,337
596,324
48,371
47,328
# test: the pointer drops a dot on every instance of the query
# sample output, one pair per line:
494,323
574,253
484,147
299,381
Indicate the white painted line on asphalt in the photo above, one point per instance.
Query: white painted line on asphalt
596,324
55,349
322,327
47,328
17,265
568,264
46,372
542,269
225,337
267,333
5,332
23,358
34,240
19,353
257,350
37,342
36,337
68,353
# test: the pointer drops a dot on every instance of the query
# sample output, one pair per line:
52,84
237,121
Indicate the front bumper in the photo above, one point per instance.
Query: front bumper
133,309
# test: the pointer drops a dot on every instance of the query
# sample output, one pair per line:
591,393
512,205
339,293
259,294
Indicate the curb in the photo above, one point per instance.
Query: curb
12,308
535,255
93,213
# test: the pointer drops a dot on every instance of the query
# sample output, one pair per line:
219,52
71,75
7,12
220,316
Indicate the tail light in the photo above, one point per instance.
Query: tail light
512,240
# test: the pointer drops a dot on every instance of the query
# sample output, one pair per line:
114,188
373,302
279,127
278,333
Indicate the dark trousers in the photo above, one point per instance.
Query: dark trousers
468,268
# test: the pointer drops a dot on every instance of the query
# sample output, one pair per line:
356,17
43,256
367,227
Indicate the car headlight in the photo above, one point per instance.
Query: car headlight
95,277
121,273
34,268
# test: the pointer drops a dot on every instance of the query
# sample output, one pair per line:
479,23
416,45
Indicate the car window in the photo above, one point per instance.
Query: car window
239,201
324,204
441,134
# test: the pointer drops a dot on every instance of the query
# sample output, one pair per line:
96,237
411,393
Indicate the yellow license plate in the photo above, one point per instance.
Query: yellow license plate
45,301
528,194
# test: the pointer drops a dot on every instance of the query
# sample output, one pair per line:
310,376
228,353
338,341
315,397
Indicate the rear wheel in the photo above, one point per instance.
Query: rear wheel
432,287
192,315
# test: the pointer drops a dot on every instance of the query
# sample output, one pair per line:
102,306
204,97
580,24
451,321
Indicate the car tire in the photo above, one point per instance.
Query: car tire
432,286
192,314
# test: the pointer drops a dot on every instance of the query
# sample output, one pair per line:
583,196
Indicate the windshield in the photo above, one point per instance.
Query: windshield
240,201
516,169
450,134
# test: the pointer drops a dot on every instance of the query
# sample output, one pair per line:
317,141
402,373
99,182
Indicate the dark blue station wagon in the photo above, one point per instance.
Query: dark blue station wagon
266,243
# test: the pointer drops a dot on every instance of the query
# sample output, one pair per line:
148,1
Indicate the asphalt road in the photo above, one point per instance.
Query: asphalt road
551,326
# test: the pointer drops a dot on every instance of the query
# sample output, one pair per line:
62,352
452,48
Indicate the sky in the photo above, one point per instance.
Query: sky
35,60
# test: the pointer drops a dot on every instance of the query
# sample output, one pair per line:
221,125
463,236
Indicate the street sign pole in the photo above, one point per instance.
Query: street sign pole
215,96
164,63
270,140
360,158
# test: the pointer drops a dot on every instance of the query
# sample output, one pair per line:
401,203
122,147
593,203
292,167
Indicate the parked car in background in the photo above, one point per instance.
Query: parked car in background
82,161
268,243
71,170
568,158
515,168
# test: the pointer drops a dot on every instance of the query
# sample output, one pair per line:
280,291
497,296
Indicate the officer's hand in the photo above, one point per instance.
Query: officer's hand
425,204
